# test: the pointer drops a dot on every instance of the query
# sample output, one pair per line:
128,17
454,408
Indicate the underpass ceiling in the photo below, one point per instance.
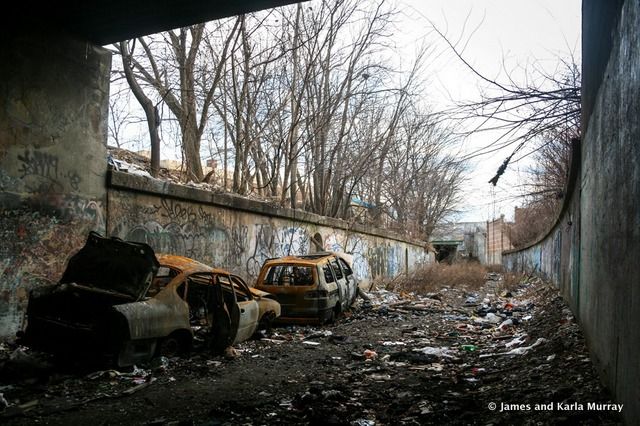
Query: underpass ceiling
104,22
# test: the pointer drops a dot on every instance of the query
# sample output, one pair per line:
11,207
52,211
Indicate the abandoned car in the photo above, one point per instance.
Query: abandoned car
117,300
311,288
248,309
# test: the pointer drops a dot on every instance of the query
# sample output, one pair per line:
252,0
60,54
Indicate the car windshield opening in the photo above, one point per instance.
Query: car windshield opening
289,275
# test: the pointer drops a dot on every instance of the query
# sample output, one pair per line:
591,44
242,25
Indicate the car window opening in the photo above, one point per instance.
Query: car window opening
328,274
289,275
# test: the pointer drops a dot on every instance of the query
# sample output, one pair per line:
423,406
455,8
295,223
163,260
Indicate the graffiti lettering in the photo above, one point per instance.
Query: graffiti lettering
45,168
39,164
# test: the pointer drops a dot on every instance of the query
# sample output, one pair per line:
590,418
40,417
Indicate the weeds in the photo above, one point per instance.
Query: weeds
510,281
498,268
431,278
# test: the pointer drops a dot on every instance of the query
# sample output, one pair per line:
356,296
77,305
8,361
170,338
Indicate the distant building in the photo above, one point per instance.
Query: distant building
462,240
498,239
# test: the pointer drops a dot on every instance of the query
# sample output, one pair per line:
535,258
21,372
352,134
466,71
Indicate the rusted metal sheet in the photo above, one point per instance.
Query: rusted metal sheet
156,317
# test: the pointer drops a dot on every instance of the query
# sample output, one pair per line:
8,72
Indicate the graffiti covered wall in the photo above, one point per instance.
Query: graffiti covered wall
239,234
52,161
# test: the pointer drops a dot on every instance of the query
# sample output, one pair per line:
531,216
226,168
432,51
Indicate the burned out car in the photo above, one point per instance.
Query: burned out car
311,288
249,309
115,301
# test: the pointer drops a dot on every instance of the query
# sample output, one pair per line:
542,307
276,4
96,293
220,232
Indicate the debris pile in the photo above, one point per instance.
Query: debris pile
139,165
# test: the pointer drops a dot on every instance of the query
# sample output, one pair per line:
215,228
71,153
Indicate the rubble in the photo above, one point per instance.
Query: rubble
400,358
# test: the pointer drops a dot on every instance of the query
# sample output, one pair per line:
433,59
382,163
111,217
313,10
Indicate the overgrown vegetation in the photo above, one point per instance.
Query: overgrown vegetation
433,277
469,276
510,281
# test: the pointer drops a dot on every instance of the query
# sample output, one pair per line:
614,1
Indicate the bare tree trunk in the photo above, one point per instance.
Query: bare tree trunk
150,110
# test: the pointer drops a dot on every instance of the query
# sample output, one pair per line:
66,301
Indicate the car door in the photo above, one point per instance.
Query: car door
247,307
341,281
352,283
211,308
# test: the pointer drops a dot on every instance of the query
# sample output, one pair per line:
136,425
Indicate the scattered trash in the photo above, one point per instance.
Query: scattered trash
516,341
380,377
369,354
3,402
393,343
523,350
231,353
139,386
440,352
363,422
491,317
471,300
505,325
400,359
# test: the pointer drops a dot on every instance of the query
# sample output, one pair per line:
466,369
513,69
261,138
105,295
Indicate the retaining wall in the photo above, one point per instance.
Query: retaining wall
590,254
240,234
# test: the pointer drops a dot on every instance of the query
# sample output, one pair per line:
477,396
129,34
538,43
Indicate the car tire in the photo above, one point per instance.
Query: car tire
335,314
266,322
173,345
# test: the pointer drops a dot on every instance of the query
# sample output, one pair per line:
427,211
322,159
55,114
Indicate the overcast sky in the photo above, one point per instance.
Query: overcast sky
517,33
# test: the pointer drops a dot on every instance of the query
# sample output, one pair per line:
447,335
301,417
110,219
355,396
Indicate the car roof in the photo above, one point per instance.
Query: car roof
186,265
306,259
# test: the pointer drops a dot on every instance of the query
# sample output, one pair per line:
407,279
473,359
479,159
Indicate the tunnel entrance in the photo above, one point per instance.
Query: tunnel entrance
446,252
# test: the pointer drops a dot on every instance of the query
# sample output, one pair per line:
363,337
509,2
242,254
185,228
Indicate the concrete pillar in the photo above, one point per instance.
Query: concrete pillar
53,116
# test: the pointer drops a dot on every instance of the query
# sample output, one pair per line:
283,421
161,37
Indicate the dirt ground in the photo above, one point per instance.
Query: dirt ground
445,358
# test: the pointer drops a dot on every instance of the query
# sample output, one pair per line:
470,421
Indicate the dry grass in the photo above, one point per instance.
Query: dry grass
495,268
433,277
510,281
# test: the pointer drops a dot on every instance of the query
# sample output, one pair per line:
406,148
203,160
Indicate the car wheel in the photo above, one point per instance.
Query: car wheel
335,314
266,322
172,346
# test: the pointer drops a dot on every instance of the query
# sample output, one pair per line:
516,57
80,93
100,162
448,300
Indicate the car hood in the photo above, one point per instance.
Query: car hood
260,293
112,265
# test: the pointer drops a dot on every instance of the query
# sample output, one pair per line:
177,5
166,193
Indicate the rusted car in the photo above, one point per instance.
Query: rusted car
116,300
248,309
313,288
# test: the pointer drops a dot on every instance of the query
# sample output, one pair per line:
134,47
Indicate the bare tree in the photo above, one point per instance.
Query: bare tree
170,65
545,103
149,107
539,117
301,105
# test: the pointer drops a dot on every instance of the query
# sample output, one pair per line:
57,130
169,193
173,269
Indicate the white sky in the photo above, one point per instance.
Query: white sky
516,32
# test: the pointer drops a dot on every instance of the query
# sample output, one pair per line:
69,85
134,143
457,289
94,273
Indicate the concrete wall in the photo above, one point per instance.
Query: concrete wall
54,93
590,253
240,234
